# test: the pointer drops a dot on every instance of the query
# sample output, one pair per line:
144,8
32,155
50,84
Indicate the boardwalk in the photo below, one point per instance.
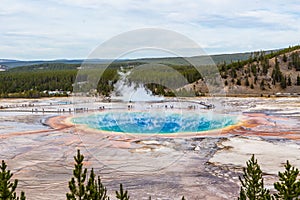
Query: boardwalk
206,105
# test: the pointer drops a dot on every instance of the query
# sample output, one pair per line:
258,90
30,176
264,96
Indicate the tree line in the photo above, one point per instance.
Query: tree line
258,66
37,80
32,81
23,84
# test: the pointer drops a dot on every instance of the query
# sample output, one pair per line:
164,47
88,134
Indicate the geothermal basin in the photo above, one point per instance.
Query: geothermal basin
38,143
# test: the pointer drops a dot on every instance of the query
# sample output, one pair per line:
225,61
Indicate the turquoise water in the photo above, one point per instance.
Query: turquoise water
153,123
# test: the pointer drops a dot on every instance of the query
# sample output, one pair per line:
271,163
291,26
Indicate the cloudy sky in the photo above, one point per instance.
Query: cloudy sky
54,29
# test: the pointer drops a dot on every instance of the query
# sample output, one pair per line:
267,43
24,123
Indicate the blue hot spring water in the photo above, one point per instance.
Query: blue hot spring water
153,123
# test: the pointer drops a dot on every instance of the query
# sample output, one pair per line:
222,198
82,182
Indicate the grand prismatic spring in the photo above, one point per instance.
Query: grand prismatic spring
156,123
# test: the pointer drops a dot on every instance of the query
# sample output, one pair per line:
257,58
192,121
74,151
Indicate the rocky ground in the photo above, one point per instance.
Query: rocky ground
204,166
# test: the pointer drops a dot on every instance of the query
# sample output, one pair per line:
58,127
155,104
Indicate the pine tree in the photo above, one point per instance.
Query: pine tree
226,82
296,61
253,69
288,187
242,195
284,58
283,83
233,73
238,82
289,81
253,185
247,82
262,84
298,80
95,190
76,185
122,195
8,189
265,65
277,74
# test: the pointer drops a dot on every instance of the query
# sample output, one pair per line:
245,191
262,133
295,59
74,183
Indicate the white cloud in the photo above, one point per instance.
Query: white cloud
276,19
72,28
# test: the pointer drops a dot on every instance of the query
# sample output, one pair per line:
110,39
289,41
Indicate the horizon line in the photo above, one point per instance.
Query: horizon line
136,58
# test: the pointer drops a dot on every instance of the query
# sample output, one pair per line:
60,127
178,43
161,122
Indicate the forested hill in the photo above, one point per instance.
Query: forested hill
261,74
44,67
168,60
48,78
255,73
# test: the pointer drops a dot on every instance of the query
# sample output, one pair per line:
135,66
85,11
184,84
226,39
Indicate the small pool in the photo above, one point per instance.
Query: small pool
154,123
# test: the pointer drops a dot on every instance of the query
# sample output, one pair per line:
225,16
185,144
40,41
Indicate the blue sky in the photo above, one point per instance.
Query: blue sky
54,29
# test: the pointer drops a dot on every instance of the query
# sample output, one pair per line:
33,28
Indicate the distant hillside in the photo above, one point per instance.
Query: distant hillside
44,67
19,63
6,60
228,58
266,74
203,60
